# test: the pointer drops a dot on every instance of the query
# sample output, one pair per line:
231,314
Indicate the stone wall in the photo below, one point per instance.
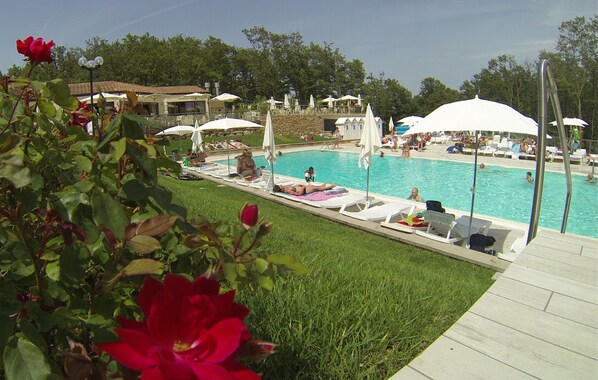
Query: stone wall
296,124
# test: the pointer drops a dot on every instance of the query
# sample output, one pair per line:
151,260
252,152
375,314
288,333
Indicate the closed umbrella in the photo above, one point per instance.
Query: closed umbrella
359,100
225,125
475,115
286,103
330,100
273,102
391,125
370,143
196,139
297,105
312,102
269,147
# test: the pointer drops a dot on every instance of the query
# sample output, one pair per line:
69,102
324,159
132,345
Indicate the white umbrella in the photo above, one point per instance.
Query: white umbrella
226,97
330,100
106,95
391,125
297,105
196,139
269,147
286,102
370,143
273,102
475,115
226,124
178,130
312,102
359,100
573,121
348,97
410,120
196,96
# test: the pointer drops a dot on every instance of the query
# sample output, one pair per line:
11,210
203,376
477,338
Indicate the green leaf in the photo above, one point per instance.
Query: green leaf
33,335
143,244
8,326
24,361
230,272
135,190
117,148
83,163
141,267
74,261
60,93
13,169
265,282
289,262
108,212
261,264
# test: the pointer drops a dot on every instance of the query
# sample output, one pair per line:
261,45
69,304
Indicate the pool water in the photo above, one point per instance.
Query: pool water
501,191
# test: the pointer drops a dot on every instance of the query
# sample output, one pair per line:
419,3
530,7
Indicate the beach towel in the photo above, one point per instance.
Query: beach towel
413,221
339,190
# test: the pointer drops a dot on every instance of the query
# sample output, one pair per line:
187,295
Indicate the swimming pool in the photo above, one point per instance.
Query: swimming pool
501,191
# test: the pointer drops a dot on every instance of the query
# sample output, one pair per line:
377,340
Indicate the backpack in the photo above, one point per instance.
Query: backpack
434,206
479,242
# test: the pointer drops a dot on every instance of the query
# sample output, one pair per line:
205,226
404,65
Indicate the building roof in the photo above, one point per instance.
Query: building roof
81,89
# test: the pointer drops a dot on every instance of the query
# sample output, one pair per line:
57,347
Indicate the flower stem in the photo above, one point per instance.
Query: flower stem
12,113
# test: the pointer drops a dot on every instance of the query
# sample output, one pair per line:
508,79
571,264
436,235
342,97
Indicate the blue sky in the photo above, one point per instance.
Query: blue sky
407,40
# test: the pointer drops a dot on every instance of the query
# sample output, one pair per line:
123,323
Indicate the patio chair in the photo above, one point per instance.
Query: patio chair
413,222
385,211
442,227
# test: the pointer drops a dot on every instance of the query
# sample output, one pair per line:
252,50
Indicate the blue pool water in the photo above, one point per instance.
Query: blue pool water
501,192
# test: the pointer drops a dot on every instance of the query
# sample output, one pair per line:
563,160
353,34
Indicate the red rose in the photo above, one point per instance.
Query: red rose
249,215
36,50
190,332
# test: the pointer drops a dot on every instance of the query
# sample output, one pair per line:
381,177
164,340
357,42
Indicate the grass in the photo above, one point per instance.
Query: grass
369,305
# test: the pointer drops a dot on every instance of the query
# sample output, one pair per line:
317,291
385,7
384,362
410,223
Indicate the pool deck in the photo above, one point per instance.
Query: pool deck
538,321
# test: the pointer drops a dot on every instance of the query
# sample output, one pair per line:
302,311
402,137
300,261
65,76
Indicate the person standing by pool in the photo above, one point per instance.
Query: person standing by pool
406,153
415,195
337,138
529,178
310,174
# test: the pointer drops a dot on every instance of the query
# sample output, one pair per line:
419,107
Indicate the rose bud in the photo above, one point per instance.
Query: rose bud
249,215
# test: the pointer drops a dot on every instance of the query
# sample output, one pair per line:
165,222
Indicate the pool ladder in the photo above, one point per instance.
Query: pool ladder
547,88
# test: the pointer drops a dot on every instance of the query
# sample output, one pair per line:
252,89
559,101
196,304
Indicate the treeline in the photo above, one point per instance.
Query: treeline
276,64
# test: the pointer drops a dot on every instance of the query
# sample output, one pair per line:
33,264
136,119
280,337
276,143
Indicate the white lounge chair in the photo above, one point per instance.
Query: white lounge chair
344,201
385,211
442,227
408,225
516,248
478,226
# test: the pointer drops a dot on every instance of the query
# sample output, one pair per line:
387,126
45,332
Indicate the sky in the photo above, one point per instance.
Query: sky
406,40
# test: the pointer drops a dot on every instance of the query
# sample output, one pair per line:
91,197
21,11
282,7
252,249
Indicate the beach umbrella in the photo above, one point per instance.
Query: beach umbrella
196,139
178,130
226,97
225,125
347,97
359,100
312,102
269,147
475,115
410,120
273,102
107,96
286,102
391,125
297,105
572,121
370,143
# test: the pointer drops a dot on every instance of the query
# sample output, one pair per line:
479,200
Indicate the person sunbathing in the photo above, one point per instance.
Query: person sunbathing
300,189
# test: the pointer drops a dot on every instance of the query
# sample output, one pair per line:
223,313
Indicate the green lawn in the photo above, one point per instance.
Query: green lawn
369,305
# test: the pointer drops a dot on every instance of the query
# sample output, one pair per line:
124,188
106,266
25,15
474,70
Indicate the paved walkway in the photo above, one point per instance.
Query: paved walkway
539,320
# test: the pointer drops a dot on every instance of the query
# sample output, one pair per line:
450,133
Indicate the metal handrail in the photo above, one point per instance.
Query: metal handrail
547,87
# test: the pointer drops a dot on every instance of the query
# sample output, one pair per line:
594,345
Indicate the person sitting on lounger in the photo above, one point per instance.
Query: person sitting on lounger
300,189
245,165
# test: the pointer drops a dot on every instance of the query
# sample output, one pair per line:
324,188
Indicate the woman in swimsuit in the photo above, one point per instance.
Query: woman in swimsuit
301,189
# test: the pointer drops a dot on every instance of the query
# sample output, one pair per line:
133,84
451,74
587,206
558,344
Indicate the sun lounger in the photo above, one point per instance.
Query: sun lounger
442,227
385,211
478,226
343,201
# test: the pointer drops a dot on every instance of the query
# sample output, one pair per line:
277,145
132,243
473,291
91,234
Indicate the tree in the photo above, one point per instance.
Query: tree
388,97
433,93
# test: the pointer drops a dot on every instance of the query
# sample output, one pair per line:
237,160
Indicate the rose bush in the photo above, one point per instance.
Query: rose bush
84,222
